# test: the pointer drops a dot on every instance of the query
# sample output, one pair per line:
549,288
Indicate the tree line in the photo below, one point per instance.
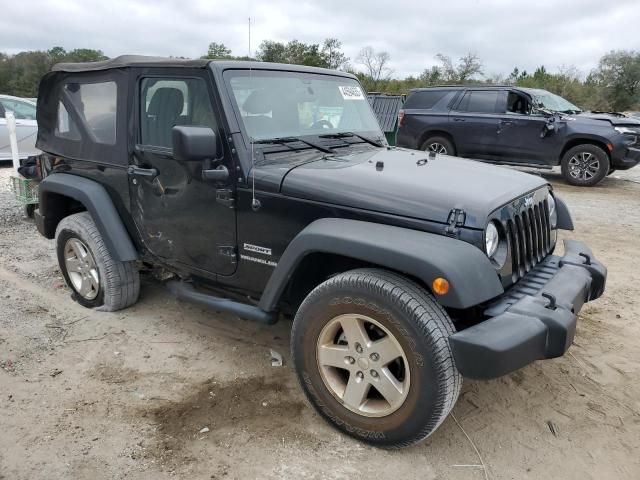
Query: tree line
614,85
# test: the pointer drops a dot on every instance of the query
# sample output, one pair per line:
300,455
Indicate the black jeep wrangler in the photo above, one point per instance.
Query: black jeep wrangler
267,190
520,126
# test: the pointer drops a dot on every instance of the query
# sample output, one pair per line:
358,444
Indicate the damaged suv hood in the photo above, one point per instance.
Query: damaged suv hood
408,183
612,118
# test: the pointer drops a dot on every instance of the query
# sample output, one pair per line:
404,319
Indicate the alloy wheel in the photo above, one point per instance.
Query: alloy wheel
584,166
81,269
437,148
363,365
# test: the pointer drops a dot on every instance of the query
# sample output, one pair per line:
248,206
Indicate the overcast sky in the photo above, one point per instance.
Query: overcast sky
504,33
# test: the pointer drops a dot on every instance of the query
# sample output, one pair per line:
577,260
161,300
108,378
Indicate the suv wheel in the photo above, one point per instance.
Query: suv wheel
585,165
372,354
97,280
440,145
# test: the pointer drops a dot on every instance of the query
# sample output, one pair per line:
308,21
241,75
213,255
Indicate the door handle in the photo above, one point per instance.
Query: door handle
458,119
506,122
142,172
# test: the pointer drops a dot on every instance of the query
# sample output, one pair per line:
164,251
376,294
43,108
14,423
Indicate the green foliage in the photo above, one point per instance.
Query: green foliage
618,75
325,55
218,51
20,74
613,85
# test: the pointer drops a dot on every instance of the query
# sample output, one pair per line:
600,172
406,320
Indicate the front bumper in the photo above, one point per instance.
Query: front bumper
628,158
533,320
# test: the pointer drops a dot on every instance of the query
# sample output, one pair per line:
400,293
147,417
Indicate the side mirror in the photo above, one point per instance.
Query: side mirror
549,127
194,143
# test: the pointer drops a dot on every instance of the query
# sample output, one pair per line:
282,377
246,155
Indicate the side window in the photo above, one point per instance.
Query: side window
166,103
479,101
21,110
425,99
95,104
65,127
517,104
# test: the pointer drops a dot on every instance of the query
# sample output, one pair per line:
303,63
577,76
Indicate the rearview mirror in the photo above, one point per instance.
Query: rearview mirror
194,143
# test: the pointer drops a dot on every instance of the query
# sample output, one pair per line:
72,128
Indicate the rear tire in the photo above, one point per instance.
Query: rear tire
95,277
403,342
585,165
440,145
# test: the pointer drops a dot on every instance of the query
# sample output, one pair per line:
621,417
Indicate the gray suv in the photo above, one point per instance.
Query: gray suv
520,126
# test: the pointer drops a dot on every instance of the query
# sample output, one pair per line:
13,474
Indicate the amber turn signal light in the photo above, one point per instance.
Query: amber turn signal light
440,286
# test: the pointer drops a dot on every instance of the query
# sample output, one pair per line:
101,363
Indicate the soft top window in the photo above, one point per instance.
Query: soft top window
95,103
84,116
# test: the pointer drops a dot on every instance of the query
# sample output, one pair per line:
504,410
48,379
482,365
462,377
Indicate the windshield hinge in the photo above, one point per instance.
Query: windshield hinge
224,196
455,220
229,252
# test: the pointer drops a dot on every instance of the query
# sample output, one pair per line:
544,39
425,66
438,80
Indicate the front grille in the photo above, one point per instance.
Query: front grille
529,237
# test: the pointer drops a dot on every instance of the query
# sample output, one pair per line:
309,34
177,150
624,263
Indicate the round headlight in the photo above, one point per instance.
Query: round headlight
553,212
492,239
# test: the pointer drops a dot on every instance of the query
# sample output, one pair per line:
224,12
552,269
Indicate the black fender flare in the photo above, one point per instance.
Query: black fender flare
565,222
422,255
98,203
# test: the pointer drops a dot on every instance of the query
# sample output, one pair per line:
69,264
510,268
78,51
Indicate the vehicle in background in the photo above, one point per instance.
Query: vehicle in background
24,111
519,126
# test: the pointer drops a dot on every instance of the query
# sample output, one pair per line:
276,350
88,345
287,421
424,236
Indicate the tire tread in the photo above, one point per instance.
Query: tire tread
429,316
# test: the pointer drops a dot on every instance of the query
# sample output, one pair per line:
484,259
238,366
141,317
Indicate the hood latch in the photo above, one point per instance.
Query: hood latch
455,220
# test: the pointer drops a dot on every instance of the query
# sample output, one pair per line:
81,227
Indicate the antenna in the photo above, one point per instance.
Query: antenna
255,203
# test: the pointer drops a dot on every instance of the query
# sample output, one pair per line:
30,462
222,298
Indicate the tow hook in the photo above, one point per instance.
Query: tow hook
586,257
552,301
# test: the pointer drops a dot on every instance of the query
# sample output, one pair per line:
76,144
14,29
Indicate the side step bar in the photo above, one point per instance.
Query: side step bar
186,291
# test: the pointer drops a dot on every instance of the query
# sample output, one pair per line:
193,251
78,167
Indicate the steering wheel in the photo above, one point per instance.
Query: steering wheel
322,124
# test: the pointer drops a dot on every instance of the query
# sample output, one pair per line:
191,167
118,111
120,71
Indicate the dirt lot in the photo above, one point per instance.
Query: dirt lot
92,395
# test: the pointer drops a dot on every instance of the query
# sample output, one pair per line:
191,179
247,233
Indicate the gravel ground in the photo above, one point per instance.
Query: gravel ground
91,395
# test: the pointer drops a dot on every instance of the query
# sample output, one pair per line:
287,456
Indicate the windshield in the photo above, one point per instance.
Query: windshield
555,103
293,104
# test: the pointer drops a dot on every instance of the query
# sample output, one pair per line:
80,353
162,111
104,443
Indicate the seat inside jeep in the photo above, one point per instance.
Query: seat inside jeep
163,114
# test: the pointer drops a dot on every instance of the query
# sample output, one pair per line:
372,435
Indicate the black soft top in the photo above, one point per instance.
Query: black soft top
125,61
129,61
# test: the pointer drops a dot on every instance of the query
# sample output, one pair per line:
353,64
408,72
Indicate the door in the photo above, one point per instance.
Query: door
181,218
474,123
26,128
519,132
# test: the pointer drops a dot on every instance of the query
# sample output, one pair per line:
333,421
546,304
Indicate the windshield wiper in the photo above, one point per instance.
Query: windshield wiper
370,141
286,140
571,112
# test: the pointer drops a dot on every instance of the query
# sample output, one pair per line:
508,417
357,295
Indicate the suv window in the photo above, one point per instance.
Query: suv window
21,110
479,101
518,104
426,99
167,102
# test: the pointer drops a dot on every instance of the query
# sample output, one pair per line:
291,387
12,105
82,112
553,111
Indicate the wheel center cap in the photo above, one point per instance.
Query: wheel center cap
363,363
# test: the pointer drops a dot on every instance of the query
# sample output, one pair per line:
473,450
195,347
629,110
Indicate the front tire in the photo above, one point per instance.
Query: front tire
440,145
95,277
371,351
585,165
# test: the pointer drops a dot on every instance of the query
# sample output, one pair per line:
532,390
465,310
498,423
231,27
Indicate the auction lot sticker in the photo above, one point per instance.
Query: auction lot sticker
351,92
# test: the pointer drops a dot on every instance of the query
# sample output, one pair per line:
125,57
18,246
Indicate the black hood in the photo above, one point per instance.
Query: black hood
615,119
403,182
